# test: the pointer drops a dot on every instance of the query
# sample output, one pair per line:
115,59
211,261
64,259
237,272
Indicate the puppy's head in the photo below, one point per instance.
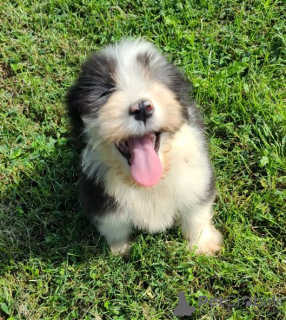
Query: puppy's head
126,104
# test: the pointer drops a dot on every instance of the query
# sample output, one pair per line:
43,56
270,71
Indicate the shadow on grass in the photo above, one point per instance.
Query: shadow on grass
41,214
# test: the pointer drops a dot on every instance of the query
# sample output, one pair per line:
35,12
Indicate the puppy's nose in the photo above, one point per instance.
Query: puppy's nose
142,110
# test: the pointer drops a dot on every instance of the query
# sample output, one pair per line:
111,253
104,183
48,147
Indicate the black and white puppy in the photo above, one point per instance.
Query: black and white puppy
144,156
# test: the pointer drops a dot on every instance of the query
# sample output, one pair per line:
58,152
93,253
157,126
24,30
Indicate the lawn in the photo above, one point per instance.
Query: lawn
53,264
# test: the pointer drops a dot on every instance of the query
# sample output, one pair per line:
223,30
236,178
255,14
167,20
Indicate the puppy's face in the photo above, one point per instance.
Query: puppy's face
131,101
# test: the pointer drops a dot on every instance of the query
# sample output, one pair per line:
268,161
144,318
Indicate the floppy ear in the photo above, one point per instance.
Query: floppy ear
90,92
92,87
74,111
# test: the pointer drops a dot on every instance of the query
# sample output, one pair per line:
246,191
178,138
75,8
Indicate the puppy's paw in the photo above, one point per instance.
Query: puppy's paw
208,243
120,248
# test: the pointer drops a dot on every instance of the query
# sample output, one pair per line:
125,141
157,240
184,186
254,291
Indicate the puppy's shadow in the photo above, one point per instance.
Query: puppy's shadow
40,216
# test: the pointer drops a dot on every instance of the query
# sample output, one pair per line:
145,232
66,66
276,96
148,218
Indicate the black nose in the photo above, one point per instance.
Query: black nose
142,110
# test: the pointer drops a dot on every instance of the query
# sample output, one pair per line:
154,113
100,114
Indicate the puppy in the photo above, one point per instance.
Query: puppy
144,156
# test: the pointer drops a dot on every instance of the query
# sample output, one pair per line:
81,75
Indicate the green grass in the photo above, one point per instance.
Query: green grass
53,265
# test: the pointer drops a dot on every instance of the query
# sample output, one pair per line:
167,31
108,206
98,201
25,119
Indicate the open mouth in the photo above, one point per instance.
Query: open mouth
141,153
124,149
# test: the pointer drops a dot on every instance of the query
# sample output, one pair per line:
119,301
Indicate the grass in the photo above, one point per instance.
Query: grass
53,265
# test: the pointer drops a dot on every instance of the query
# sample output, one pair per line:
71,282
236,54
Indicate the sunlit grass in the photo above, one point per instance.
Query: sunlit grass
53,264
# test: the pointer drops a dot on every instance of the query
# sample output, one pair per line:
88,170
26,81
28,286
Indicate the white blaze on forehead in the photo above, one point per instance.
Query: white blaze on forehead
132,76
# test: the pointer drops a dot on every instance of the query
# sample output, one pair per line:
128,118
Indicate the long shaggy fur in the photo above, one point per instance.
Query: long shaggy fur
104,106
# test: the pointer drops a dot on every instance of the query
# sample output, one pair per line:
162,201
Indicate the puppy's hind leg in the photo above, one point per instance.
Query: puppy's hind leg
198,229
116,234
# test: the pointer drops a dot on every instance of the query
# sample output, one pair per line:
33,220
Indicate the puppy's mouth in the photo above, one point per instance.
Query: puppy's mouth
141,153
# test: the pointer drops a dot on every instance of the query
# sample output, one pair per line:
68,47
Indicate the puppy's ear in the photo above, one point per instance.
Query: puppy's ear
95,82
90,92
74,113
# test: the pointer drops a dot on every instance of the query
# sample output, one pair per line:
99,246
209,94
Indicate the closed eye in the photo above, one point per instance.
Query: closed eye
106,93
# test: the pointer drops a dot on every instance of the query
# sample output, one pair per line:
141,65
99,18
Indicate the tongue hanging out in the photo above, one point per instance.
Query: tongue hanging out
146,168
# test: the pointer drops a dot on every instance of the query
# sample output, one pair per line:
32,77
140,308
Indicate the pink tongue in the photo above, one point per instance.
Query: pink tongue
146,167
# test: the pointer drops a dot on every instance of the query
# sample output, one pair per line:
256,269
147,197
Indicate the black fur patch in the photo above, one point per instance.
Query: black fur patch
144,59
90,92
93,199
211,191
177,83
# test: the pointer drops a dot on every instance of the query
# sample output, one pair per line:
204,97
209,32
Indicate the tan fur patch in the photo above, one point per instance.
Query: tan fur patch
115,124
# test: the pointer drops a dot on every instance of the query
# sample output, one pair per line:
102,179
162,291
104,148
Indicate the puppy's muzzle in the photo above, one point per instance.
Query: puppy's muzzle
142,110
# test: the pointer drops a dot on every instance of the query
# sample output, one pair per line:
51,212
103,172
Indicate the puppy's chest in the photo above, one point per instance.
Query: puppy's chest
152,209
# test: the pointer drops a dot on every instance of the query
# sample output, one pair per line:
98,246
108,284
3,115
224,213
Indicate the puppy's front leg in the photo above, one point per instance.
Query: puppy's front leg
117,235
198,229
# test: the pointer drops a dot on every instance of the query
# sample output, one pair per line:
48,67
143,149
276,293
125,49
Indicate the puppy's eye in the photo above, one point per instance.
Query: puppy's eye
106,93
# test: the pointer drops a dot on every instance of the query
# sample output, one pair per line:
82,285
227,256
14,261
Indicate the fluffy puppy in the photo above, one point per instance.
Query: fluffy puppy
144,156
